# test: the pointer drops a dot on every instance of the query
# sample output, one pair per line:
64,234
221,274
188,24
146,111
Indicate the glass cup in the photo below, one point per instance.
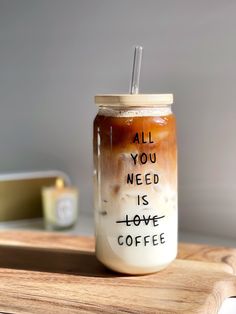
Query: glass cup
135,182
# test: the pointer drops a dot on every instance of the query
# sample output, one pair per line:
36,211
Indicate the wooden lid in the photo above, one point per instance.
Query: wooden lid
134,99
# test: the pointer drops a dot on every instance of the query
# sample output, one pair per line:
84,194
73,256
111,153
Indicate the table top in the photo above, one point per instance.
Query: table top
44,272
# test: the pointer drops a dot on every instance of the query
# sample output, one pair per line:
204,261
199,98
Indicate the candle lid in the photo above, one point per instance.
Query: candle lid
134,99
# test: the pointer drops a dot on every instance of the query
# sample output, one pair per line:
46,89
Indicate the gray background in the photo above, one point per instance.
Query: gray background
55,55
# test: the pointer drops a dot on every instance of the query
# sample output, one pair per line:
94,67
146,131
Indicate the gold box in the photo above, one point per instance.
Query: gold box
20,193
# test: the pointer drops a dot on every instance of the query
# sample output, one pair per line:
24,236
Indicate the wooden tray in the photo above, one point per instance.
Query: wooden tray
53,273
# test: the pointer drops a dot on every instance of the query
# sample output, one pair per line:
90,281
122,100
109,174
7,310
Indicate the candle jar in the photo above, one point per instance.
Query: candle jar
135,182
60,206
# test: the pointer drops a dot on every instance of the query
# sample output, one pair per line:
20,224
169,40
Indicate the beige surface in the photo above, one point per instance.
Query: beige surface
51,273
134,99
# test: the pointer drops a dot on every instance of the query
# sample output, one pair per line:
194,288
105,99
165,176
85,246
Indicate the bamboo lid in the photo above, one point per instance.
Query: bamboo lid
134,99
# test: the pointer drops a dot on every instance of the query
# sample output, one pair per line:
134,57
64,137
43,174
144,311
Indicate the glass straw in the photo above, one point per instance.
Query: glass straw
134,87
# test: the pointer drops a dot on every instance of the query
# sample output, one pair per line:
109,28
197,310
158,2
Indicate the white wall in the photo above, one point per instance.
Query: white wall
55,55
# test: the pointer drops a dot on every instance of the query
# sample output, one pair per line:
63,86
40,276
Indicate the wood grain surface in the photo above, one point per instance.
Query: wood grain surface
54,273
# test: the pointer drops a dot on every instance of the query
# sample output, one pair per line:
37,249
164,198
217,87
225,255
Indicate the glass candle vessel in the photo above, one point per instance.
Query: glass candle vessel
135,182
60,206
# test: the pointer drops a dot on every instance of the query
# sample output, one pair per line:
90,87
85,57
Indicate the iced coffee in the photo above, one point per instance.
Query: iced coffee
135,182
